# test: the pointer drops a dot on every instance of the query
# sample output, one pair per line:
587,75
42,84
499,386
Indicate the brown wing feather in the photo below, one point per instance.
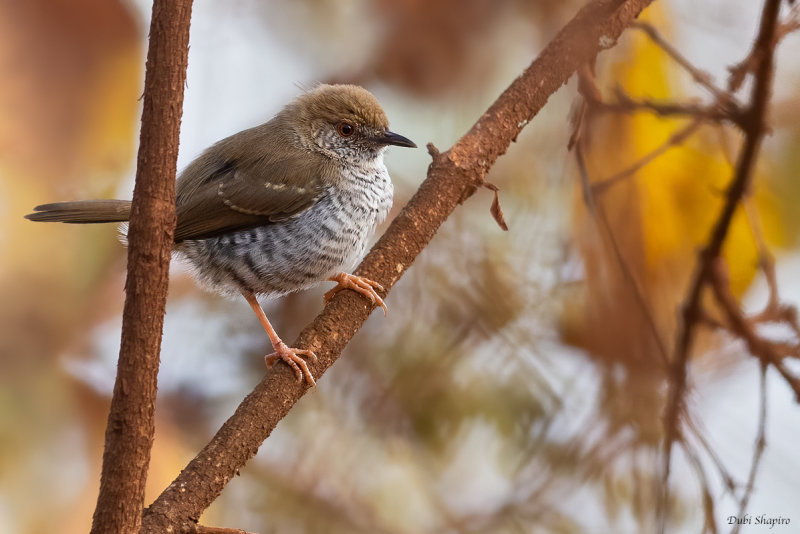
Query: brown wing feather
225,191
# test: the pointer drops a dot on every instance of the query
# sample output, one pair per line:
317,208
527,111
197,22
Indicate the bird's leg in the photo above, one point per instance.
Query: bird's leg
359,284
282,352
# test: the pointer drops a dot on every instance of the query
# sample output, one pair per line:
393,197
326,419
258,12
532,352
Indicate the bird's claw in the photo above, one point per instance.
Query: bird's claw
293,358
359,284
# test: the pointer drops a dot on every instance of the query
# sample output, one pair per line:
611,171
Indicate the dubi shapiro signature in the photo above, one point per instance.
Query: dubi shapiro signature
763,519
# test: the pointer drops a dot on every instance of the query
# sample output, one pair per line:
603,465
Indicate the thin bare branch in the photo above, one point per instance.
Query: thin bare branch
628,104
761,348
755,127
676,139
750,63
699,76
587,87
719,111
709,523
765,258
607,232
758,447
724,473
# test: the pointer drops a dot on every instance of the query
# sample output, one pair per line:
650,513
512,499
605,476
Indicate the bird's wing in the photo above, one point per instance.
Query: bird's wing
216,196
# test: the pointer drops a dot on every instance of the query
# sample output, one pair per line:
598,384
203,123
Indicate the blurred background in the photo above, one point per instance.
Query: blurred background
514,388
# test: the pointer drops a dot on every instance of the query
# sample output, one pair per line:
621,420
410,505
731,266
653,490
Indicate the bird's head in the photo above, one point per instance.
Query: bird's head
343,121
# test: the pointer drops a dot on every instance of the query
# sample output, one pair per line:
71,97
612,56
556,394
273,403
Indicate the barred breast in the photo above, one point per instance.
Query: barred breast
297,253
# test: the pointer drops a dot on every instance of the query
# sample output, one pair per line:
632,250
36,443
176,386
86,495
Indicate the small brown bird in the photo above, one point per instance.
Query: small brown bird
279,207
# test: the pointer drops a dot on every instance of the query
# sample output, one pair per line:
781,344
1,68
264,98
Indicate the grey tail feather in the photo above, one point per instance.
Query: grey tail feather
82,212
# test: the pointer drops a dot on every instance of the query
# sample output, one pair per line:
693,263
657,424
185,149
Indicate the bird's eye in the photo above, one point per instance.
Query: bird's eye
345,129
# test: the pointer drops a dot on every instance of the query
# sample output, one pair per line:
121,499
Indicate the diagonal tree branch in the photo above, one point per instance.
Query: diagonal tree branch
453,176
129,432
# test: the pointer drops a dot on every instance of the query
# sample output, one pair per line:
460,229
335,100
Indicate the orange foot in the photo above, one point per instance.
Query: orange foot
359,284
293,358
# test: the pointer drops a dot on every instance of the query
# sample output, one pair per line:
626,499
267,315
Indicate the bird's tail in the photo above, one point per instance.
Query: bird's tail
83,212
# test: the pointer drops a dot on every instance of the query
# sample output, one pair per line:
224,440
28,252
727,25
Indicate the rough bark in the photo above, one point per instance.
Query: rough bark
452,177
129,434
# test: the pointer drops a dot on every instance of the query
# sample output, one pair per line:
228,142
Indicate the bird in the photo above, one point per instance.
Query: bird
279,207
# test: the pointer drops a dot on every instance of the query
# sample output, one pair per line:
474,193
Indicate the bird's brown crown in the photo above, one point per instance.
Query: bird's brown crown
334,103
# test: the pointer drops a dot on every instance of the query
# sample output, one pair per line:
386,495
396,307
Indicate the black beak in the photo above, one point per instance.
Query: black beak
391,138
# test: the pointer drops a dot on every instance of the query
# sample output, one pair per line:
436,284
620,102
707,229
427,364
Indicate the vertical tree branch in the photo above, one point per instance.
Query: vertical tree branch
129,434
453,176
754,128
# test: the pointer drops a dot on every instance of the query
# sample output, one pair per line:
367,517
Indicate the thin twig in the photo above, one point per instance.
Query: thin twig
791,24
600,217
677,138
748,65
720,111
782,349
765,258
782,313
724,473
774,310
725,145
592,101
699,76
625,103
757,346
709,523
758,447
